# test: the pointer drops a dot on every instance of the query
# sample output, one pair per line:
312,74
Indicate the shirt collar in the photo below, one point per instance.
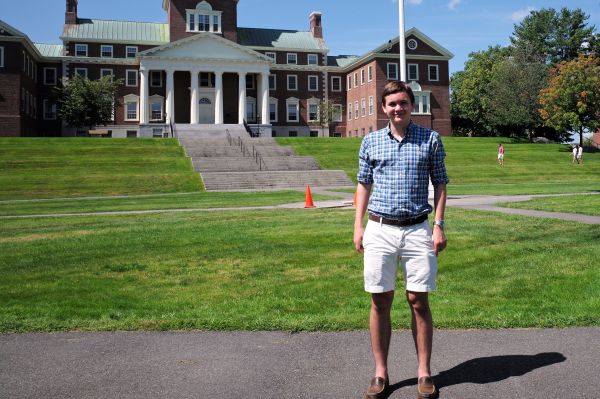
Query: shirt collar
409,129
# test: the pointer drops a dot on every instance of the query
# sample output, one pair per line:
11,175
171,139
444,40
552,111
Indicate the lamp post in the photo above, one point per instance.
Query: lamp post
402,41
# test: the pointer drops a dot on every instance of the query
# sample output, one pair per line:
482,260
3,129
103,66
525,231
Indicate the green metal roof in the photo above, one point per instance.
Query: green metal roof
118,31
279,38
341,60
49,50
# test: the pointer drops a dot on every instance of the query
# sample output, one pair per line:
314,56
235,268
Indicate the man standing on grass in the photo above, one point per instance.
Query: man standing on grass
397,163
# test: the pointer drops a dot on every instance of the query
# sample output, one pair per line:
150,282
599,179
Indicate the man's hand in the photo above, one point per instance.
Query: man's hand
438,237
359,231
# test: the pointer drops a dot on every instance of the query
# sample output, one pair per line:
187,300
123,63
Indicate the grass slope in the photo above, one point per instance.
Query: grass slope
472,167
583,204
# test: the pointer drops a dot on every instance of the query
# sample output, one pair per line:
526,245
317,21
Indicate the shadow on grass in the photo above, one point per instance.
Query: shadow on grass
484,370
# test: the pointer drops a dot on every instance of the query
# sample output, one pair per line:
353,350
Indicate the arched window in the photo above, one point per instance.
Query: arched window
422,99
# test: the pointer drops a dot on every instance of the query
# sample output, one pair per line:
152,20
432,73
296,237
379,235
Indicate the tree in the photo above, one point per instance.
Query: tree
88,103
327,113
572,100
550,36
471,99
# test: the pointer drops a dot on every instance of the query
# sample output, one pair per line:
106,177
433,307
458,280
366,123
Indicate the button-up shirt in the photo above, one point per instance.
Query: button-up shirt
400,171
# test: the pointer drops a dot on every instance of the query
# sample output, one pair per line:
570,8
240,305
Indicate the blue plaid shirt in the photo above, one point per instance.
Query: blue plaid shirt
400,171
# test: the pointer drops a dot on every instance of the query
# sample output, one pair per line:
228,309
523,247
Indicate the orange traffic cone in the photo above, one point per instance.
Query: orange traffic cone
354,200
309,202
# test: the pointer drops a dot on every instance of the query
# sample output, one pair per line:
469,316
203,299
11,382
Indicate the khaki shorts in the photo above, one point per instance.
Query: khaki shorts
386,245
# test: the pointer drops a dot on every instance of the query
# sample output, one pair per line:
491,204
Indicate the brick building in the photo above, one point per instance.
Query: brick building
201,68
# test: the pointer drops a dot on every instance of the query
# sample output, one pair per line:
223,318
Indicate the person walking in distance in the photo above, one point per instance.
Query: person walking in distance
575,153
500,154
395,165
580,154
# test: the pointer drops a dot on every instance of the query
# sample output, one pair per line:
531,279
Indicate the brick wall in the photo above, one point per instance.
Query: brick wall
177,17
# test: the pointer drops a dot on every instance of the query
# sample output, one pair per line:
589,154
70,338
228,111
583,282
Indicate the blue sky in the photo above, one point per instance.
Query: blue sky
461,26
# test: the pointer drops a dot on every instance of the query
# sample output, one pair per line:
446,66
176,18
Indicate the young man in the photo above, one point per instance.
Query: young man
397,163
500,154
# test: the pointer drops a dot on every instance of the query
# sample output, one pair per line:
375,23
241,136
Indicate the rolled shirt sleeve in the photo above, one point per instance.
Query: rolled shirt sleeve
365,169
438,173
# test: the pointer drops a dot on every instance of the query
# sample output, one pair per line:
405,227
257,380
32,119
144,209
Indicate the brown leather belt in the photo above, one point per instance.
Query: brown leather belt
399,222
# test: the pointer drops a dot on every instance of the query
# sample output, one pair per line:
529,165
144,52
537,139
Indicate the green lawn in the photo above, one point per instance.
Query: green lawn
77,167
584,204
281,270
472,167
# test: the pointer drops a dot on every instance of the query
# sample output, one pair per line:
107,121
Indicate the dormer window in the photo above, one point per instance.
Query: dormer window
203,19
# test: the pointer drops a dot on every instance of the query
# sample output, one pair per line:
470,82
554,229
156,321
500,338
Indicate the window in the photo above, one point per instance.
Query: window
412,44
81,50
422,99
392,71
49,110
313,110
349,111
363,107
371,105
292,58
106,72
349,83
355,79
249,82
106,51
131,77
156,78
336,83
362,76
413,72
131,102
273,109
272,56
83,72
356,110
370,72
156,110
425,104
203,19
272,82
293,133
131,51
292,107
313,59
131,134
207,79
313,83
336,113
292,82
434,72
250,109
23,99
314,133
49,76
1,57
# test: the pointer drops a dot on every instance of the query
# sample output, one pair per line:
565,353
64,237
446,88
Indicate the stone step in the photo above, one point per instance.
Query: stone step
232,181
290,163
213,151
224,164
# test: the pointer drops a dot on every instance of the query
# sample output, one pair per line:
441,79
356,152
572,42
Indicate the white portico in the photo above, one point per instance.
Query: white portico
207,81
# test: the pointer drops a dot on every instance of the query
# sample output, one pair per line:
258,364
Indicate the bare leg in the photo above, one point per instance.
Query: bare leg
422,329
380,325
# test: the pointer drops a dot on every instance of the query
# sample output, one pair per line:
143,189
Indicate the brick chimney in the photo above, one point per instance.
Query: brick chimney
71,12
315,25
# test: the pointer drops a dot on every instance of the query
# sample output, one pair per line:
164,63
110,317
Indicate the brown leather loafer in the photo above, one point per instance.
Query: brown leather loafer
378,388
426,388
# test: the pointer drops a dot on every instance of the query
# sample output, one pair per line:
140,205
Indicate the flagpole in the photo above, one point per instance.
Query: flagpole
402,41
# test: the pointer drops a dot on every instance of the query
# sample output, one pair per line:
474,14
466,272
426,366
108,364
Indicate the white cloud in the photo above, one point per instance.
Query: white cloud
518,15
452,4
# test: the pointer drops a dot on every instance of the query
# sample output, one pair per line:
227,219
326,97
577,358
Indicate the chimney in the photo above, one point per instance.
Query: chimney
315,25
71,13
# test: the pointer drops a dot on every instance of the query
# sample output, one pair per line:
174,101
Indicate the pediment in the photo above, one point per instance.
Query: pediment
205,46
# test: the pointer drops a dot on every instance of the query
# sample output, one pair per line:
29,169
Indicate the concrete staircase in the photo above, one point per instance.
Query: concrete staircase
228,159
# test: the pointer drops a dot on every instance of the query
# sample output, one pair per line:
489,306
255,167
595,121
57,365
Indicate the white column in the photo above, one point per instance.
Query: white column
242,98
402,41
170,110
218,98
143,96
194,110
265,98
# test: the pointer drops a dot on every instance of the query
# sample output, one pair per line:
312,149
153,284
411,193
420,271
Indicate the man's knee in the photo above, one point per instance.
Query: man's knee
418,301
382,302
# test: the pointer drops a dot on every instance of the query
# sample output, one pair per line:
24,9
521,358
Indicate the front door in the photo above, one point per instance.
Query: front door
206,106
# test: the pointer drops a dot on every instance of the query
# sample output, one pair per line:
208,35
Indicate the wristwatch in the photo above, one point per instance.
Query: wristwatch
439,223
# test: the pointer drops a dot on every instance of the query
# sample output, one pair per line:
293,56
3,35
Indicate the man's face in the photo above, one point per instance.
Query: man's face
398,108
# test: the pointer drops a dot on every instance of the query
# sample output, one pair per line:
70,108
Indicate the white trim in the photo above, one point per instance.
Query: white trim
410,42
355,80
274,77
160,83
349,111
157,99
252,102
102,70
78,70
339,79
295,58
308,59
316,78
275,101
295,81
437,72
370,73
272,55
102,51
132,99
362,76
371,105
363,108
204,9
315,102
250,79
409,76
295,102
127,71
340,113
389,64
48,83
127,48
349,85
356,110
83,46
